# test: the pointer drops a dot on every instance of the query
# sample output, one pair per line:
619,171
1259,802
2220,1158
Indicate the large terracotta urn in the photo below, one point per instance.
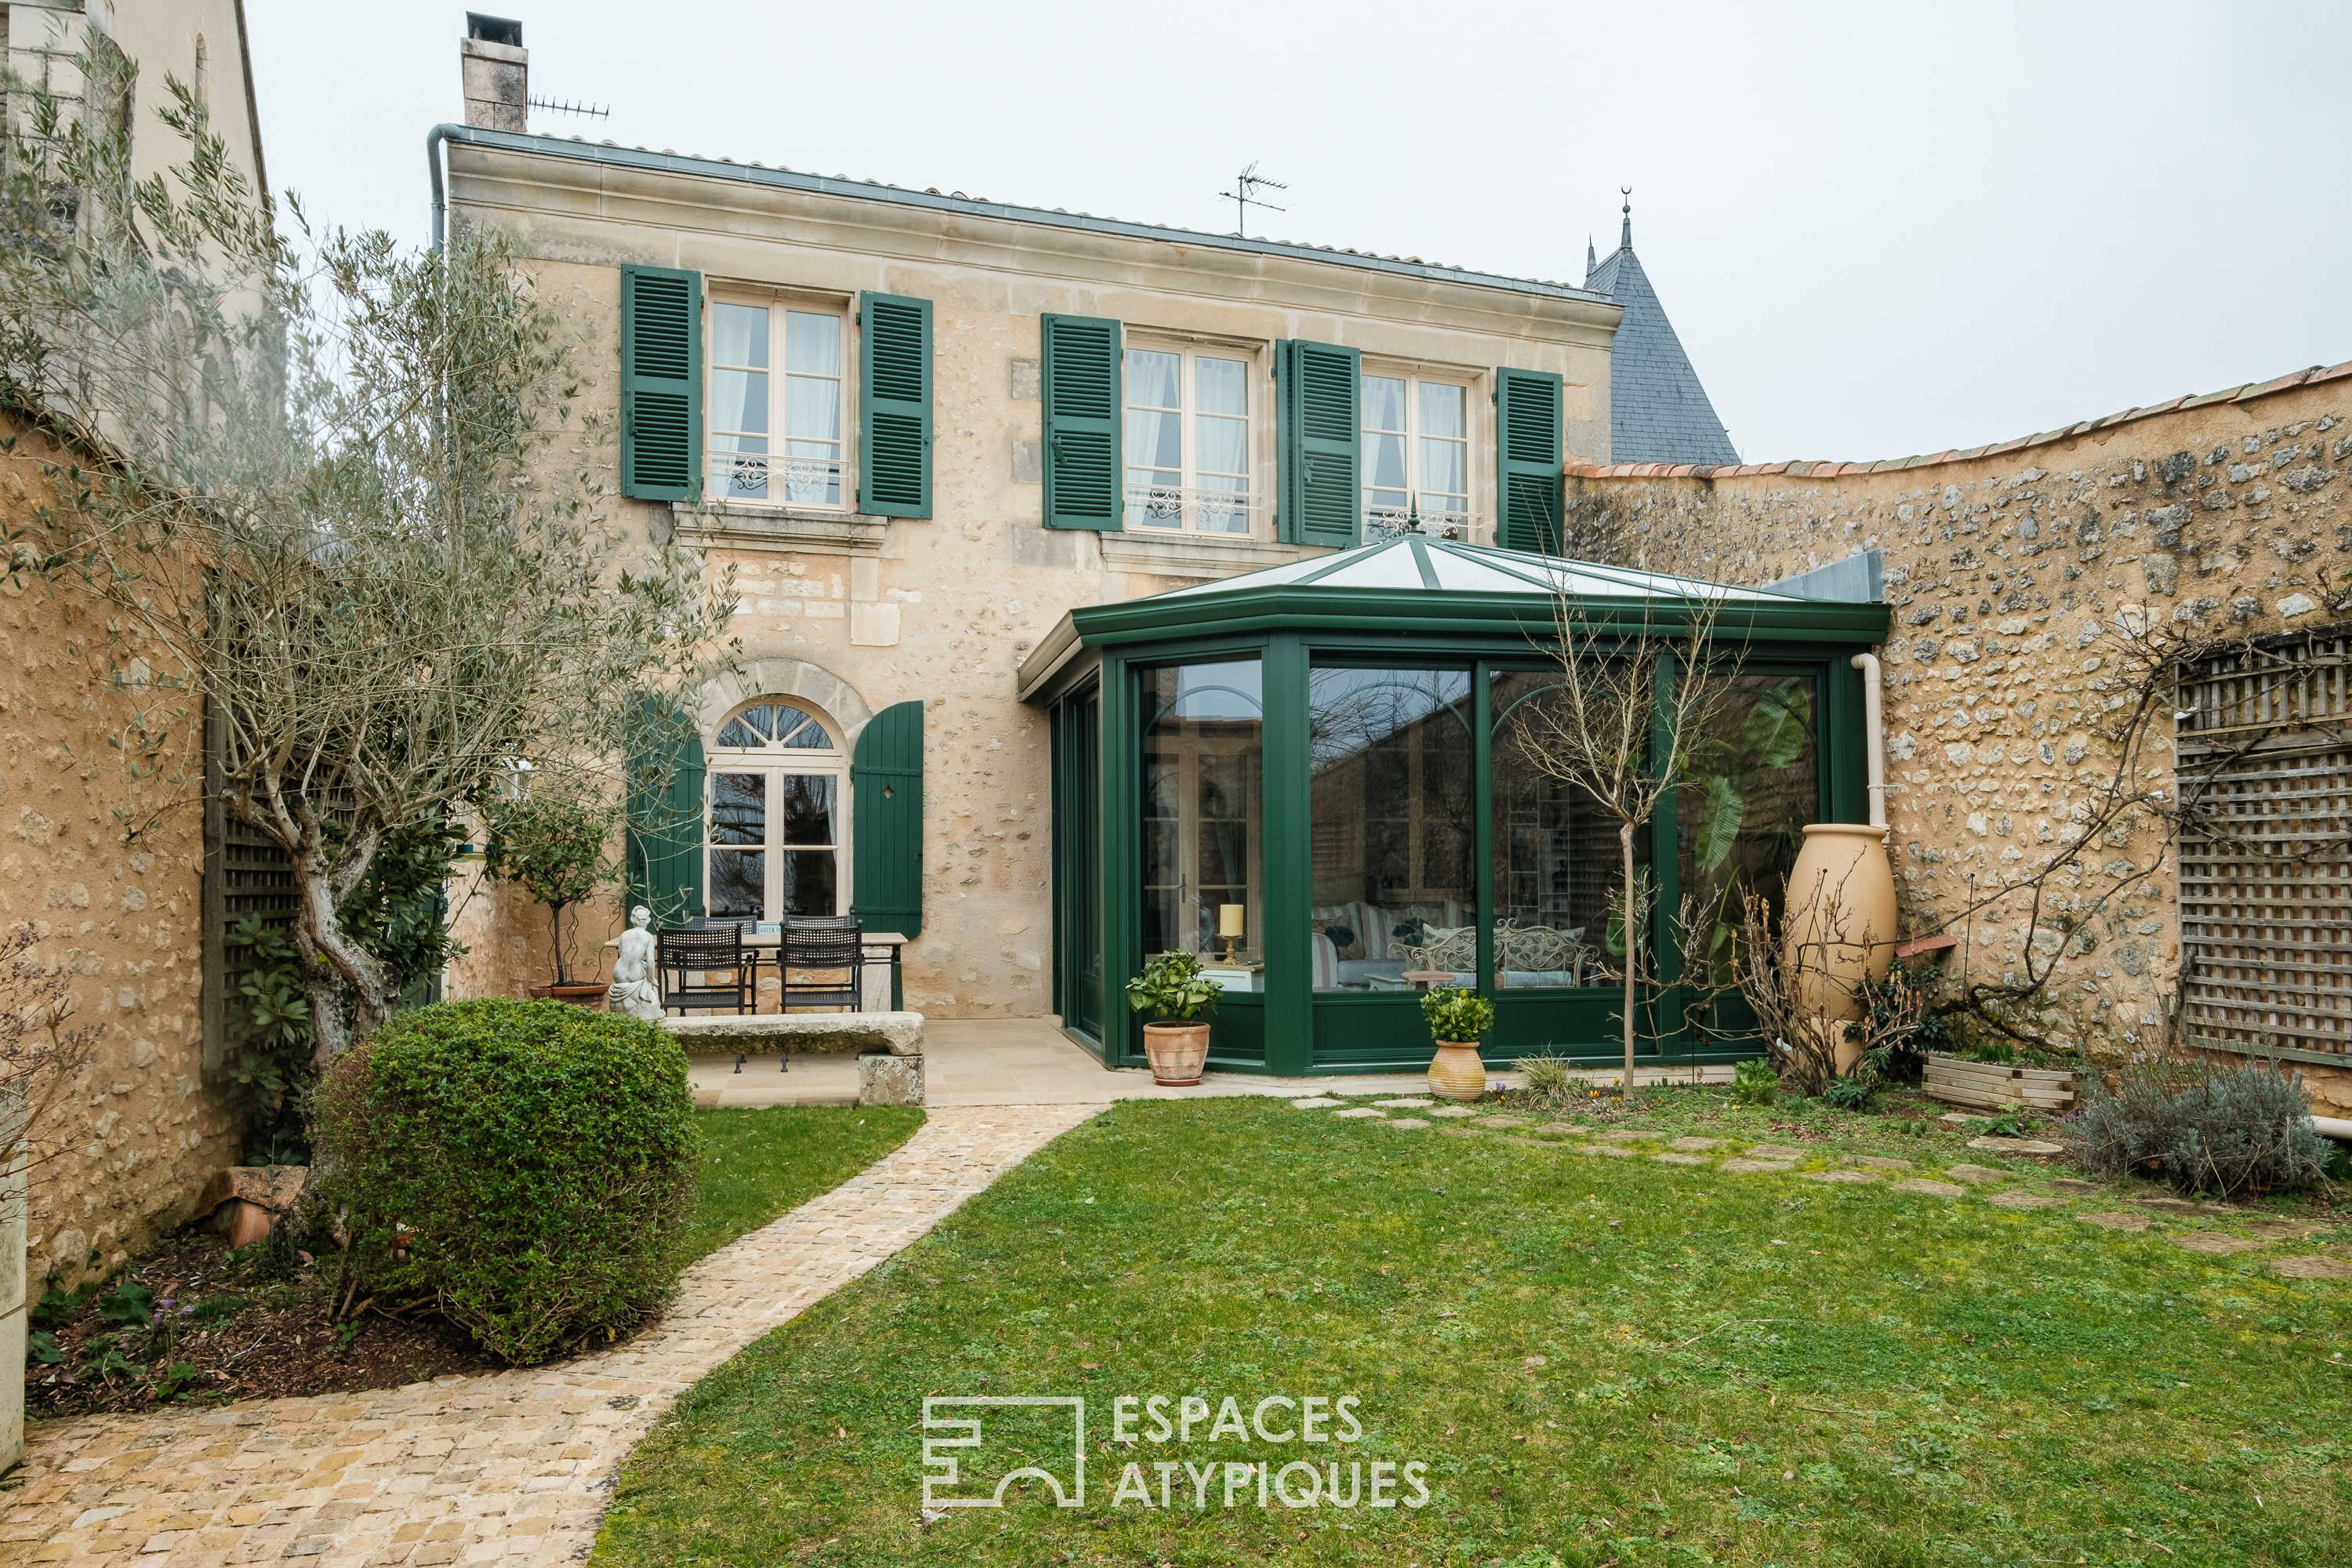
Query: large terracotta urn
1840,924
1176,1052
1456,1072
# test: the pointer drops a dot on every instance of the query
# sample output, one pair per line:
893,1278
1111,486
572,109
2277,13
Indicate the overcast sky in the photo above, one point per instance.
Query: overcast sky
1879,229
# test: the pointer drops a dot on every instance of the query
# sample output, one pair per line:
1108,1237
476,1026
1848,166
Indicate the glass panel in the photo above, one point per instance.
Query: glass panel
805,801
739,400
1152,378
1393,824
809,882
738,335
1755,782
812,343
1441,410
1384,402
812,409
812,473
1204,763
1225,446
1558,858
1443,471
748,728
738,808
1223,386
739,882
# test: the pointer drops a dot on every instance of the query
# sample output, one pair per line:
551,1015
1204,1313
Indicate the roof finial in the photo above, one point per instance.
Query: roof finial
1625,238
1592,261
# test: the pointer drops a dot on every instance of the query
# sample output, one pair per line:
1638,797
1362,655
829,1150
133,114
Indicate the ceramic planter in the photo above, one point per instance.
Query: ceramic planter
1176,1052
1456,1072
1840,925
578,995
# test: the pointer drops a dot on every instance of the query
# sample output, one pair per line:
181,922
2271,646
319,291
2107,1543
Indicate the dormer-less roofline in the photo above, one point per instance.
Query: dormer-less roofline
861,190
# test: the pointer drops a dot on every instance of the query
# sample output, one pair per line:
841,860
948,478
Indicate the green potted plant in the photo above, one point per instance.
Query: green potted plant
559,850
1171,986
1456,1019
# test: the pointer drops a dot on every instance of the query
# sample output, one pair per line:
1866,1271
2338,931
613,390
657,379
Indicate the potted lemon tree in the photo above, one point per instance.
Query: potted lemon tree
1172,987
1456,1018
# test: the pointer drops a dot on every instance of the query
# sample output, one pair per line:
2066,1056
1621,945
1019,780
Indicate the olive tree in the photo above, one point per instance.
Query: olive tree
337,498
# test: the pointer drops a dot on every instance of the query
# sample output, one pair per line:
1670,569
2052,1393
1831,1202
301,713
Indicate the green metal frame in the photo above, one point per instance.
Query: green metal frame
1276,1030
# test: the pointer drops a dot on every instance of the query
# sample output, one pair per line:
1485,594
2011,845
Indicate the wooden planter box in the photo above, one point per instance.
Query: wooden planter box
1996,1086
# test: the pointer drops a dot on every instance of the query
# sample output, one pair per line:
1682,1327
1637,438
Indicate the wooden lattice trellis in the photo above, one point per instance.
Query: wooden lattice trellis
2266,771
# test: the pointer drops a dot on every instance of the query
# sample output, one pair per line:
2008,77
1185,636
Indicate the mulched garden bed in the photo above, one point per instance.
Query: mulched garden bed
215,1325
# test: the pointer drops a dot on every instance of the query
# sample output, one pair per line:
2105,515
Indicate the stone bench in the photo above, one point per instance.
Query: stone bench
888,1046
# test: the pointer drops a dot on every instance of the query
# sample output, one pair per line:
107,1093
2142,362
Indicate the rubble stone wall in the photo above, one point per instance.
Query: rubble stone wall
109,868
2007,570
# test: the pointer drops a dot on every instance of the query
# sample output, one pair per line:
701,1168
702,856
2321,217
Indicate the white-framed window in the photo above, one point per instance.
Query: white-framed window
1416,452
782,445
777,830
1189,437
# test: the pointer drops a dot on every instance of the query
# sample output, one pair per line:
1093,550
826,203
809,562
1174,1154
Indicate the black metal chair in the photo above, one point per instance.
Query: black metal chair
825,946
682,954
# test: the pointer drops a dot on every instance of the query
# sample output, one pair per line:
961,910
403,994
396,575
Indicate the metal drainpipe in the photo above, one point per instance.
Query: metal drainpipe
433,139
1874,726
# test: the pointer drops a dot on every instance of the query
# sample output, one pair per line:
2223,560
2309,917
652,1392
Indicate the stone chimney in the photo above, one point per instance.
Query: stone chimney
498,73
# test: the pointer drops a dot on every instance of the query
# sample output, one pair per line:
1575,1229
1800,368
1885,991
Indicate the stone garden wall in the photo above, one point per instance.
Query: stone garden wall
2002,565
111,869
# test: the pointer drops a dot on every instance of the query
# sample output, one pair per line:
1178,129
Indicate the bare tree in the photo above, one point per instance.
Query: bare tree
1639,687
41,1058
336,499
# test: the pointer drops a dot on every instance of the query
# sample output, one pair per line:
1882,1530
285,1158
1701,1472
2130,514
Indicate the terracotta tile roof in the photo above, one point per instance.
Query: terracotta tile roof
1807,469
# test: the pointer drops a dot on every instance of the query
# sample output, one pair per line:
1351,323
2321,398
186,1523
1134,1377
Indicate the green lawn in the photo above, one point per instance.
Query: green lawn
1736,1368
758,1163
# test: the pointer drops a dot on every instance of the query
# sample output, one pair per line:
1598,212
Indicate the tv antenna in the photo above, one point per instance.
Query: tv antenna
1244,194
567,107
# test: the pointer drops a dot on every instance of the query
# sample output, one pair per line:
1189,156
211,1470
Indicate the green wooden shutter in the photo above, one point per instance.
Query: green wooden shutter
665,824
661,383
1084,476
1319,432
894,405
1529,448
886,783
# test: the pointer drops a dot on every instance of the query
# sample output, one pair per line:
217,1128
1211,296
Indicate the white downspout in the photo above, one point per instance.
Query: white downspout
1874,729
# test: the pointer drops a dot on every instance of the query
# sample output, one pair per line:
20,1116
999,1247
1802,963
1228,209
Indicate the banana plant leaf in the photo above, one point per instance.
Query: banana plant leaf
1714,830
1777,726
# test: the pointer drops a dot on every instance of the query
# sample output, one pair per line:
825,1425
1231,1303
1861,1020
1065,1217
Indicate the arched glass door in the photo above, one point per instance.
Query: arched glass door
778,822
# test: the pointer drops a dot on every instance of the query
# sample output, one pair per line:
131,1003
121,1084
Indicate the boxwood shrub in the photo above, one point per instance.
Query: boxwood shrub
529,1167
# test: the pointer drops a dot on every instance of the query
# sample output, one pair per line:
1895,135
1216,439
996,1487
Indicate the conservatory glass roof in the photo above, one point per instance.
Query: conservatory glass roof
1413,562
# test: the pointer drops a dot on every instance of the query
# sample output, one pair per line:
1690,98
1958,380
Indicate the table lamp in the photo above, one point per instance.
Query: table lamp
1229,926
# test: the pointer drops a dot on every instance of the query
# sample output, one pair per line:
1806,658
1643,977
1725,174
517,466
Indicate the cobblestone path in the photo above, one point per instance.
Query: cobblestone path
513,1468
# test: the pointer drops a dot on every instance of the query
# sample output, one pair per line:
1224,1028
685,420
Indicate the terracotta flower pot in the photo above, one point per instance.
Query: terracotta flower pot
1456,1072
579,995
1840,925
1176,1052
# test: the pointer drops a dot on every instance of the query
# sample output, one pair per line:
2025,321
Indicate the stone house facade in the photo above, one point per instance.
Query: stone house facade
2011,571
866,587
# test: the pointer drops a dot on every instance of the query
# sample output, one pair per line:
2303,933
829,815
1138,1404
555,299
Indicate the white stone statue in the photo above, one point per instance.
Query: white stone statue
636,990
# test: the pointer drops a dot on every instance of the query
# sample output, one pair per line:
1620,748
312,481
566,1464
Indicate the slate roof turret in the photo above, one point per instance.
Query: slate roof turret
1658,412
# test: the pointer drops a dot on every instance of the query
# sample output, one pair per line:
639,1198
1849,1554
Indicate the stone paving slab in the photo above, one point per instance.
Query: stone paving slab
1976,1174
1409,1121
1409,1103
1774,1151
1927,1189
2024,1201
1358,1112
1454,1110
2317,1266
1744,1166
1849,1177
2207,1241
1317,1103
1671,1159
1879,1162
1693,1144
514,1466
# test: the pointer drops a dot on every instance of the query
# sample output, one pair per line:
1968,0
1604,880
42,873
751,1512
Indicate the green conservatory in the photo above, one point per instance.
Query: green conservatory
1319,779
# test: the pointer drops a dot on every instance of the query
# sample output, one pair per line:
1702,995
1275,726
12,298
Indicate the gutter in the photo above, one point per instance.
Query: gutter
864,190
433,139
